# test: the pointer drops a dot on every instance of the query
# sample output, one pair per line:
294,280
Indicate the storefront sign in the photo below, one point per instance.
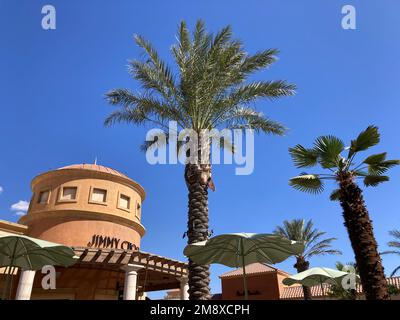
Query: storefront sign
99,241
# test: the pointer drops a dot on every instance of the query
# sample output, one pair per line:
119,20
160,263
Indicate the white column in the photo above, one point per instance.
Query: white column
25,285
130,281
184,288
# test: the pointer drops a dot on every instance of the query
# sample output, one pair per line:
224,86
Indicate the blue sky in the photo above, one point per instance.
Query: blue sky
52,85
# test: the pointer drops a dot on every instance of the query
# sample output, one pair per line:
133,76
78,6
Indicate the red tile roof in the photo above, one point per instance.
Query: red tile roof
296,291
95,167
253,268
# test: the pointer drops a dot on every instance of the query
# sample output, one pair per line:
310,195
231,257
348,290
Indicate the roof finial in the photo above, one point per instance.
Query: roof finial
95,160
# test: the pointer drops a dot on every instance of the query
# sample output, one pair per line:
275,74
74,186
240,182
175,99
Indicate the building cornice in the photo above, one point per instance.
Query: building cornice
90,174
72,215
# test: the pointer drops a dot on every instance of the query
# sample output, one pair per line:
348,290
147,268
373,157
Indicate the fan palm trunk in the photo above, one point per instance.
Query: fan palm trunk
196,177
303,265
365,247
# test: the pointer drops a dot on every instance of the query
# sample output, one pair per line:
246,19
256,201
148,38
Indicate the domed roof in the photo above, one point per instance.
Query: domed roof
95,167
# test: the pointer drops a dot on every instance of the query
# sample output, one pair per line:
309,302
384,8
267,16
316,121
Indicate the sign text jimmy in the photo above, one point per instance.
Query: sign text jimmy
99,241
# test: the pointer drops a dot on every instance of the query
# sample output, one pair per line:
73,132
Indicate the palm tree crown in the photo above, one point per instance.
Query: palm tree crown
327,152
396,248
208,91
298,230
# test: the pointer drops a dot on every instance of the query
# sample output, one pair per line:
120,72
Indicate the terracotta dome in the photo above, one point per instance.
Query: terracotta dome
94,167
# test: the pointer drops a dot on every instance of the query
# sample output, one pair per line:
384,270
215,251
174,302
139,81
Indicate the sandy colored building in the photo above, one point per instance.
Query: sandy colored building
264,282
97,211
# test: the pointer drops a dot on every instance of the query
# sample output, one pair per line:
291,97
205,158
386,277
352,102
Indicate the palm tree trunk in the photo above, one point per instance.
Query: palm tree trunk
365,247
196,177
303,265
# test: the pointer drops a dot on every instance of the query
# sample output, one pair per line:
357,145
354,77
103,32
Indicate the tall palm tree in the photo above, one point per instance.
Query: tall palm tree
315,244
209,90
396,245
327,152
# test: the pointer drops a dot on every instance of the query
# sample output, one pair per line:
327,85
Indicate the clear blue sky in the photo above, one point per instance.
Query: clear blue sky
52,86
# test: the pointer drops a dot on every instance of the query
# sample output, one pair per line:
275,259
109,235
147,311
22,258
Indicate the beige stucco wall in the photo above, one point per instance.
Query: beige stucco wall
75,222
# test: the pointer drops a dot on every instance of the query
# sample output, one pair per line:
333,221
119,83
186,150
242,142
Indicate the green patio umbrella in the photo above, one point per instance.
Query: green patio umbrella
240,249
18,251
317,276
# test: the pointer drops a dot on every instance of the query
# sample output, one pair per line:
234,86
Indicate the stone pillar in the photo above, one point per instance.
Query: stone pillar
130,281
184,288
25,285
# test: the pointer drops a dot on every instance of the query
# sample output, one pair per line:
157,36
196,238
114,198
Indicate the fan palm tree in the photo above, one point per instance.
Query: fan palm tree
327,152
315,244
396,245
209,90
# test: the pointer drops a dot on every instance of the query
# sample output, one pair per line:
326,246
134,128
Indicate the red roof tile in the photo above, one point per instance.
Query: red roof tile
296,291
253,268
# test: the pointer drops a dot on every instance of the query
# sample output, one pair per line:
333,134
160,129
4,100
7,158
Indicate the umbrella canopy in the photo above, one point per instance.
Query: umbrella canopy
316,276
230,249
32,254
241,249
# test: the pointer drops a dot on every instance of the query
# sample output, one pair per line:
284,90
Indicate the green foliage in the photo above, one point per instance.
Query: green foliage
365,140
209,88
303,157
395,245
393,290
299,230
335,195
307,183
327,153
328,149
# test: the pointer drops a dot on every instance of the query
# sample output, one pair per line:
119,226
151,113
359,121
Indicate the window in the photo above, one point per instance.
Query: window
44,196
138,210
99,195
68,193
124,202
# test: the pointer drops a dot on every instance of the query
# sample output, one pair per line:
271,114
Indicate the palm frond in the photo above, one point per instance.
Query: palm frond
365,140
397,269
180,51
328,149
138,109
377,163
391,252
310,183
335,195
323,251
299,230
267,89
247,118
374,180
303,157
258,61
395,234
